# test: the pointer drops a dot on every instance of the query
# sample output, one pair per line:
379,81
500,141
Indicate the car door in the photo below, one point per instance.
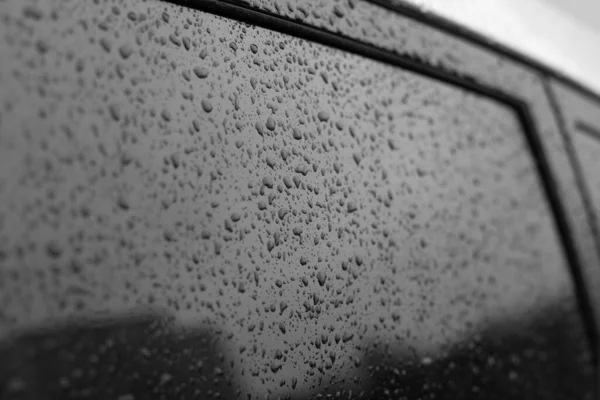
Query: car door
213,199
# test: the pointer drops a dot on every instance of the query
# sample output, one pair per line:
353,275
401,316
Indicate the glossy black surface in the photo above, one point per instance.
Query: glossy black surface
241,212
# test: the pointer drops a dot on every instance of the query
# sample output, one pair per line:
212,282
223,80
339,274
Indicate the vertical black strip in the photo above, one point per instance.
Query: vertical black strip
563,227
583,188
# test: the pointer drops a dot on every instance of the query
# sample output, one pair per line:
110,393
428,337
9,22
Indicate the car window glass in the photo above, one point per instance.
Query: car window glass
194,206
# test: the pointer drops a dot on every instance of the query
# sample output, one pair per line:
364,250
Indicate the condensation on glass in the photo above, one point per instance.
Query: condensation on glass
194,207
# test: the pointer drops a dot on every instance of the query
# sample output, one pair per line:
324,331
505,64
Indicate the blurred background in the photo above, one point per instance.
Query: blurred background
564,34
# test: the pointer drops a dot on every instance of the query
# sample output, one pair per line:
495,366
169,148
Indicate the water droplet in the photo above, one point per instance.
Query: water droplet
125,51
175,40
275,366
33,12
187,43
321,277
297,134
53,249
105,44
268,182
323,116
351,207
114,112
346,337
206,105
282,213
201,72
282,307
122,202
42,46
426,360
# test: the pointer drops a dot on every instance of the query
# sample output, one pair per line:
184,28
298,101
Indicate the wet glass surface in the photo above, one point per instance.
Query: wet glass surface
190,206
